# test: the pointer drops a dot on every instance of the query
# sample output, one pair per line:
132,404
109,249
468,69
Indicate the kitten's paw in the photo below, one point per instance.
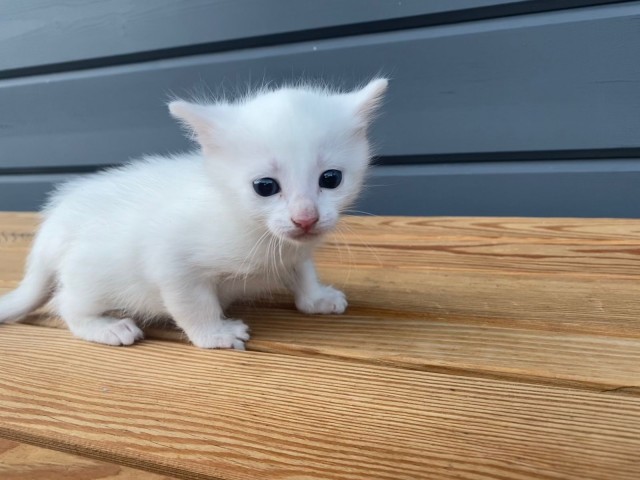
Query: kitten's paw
324,300
231,334
110,331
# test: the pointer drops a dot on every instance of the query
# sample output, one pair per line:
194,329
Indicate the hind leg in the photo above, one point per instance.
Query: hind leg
85,320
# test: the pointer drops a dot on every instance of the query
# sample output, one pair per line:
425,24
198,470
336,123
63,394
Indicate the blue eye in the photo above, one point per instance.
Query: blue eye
330,179
265,187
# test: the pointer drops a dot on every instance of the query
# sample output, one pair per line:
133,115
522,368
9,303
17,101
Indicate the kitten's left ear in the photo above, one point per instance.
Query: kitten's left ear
197,119
367,100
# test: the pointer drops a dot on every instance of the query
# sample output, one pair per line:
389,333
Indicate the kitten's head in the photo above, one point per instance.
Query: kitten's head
293,159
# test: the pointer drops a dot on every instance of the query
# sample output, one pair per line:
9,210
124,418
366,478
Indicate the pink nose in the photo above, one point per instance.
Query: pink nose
305,223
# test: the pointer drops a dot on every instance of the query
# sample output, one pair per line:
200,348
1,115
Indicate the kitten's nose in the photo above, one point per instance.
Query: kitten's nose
305,223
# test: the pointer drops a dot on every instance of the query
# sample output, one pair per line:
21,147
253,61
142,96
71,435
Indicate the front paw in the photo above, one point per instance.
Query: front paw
324,300
225,334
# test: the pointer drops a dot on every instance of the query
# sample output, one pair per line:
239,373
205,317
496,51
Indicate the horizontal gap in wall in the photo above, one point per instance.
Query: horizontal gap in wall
542,155
402,23
431,159
54,170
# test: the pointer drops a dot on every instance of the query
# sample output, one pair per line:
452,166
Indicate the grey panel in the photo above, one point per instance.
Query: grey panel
603,188
26,192
549,81
567,189
35,32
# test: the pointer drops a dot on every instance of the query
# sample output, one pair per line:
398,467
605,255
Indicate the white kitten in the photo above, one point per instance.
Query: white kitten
187,235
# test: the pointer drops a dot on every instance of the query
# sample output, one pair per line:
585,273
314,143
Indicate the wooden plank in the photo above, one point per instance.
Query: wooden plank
470,296
18,223
571,305
85,30
243,415
457,345
562,246
521,350
19,461
574,247
470,229
517,84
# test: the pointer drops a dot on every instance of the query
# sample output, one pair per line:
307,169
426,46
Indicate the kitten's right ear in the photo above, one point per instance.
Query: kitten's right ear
366,102
368,98
198,120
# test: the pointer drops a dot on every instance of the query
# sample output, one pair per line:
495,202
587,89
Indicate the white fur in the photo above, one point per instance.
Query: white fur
187,235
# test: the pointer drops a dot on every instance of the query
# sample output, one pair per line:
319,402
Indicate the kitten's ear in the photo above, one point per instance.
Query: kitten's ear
367,100
199,120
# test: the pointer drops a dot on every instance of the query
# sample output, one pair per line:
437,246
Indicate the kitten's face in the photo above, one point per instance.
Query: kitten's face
300,197
294,159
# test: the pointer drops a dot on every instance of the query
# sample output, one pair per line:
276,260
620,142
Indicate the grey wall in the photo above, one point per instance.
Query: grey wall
495,107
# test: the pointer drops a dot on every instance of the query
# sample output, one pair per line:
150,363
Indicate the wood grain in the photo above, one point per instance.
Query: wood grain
246,415
472,349
19,461
564,322
586,361
593,362
562,247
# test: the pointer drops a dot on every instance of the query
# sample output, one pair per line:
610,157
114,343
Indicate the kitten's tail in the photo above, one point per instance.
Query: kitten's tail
36,287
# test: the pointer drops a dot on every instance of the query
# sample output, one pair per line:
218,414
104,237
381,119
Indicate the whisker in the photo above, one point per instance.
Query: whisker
269,266
280,242
361,212
364,244
283,268
250,257
350,262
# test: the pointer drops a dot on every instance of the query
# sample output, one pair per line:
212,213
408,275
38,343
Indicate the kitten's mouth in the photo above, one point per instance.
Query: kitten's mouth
302,236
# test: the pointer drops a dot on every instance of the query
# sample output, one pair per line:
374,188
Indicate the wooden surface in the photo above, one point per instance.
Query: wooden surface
472,348
19,461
